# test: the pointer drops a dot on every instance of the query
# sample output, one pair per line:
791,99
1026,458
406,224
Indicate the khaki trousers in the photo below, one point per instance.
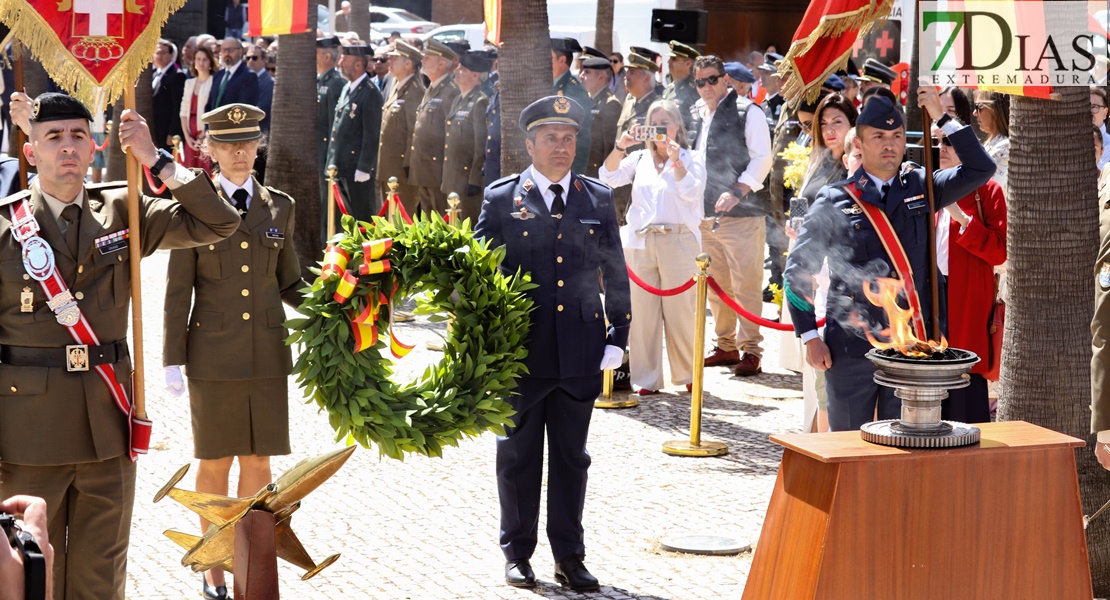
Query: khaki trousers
736,254
89,522
666,261
431,199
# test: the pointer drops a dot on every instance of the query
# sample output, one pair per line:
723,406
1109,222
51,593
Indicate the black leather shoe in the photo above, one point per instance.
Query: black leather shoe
519,573
573,574
209,592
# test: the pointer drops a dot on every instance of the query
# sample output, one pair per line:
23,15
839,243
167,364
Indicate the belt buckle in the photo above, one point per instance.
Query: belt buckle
77,358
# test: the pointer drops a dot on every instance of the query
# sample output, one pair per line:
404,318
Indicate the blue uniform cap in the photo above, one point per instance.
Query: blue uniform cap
552,110
834,83
880,113
739,72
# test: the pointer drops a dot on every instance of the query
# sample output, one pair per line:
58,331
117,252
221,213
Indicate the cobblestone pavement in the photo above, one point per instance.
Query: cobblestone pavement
427,528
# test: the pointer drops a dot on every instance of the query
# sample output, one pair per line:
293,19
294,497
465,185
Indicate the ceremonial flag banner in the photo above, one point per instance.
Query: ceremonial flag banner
93,49
277,17
492,9
823,42
1024,47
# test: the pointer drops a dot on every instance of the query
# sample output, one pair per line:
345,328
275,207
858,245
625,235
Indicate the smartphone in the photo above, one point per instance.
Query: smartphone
650,133
798,208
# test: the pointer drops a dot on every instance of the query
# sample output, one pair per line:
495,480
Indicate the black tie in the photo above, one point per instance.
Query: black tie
886,188
557,205
71,221
240,197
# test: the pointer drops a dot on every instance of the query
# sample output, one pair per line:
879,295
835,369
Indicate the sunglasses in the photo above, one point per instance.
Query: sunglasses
381,59
615,61
711,80
944,140
253,58
979,106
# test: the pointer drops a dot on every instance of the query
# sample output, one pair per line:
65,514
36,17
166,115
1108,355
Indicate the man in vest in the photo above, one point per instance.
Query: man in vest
874,224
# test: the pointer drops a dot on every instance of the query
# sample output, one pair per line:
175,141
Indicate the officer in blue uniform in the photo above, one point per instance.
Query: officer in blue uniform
562,228
836,228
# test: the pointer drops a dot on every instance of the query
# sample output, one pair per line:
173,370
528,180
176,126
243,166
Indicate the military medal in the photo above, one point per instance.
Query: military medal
854,210
26,298
523,214
353,107
1104,277
38,258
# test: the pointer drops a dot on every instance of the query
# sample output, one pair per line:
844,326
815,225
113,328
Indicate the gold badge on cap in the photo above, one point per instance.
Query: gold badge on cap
35,110
890,121
562,105
236,115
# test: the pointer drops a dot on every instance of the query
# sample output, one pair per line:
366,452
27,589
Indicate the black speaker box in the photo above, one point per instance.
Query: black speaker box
686,26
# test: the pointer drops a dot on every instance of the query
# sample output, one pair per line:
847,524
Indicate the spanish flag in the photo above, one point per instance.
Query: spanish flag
277,17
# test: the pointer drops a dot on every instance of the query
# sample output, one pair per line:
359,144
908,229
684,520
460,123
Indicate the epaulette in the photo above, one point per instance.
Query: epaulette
504,180
278,192
16,197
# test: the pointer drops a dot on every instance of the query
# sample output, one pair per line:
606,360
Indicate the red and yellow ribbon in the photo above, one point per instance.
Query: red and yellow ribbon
346,287
335,261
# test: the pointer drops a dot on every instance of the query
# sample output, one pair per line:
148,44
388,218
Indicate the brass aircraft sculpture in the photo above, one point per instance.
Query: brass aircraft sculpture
281,498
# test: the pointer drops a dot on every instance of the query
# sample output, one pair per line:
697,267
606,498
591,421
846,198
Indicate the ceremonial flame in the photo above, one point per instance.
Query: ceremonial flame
901,331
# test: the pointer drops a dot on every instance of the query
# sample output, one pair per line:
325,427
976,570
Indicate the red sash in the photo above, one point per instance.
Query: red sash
895,252
38,260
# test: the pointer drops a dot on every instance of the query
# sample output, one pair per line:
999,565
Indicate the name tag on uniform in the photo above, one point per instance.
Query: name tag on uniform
435,100
916,205
912,198
113,242
462,114
274,234
589,221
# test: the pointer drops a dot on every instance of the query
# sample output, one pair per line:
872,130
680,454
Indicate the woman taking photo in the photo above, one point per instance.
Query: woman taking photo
971,242
192,105
661,240
224,322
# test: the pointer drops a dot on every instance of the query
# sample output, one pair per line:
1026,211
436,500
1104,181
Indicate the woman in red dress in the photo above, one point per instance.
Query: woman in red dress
192,106
971,241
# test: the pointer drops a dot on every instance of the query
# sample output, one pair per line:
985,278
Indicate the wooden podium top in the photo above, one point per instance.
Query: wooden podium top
846,446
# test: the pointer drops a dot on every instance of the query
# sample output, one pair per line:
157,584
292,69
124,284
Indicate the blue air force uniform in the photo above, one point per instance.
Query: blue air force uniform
836,229
566,342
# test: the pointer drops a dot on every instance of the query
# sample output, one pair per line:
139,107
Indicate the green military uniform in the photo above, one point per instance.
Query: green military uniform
62,436
569,86
329,85
430,133
682,92
464,152
1100,360
634,112
224,322
398,124
606,110
355,135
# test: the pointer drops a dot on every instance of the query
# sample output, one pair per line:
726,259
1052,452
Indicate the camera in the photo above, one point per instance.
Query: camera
650,133
34,564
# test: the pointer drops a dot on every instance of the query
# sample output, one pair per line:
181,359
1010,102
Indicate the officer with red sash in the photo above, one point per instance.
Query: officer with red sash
65,369
875,224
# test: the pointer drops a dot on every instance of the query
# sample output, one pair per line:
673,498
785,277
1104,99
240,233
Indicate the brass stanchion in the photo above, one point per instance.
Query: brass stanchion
606,399
332,172
696,447
178,148
391,207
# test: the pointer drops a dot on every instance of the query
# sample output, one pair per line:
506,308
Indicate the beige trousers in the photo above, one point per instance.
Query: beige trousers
736,253
88,520
667,261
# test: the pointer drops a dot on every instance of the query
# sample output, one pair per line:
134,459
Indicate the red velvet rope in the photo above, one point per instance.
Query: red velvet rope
104,146
150,182
339,199
716,287
400,208
656,291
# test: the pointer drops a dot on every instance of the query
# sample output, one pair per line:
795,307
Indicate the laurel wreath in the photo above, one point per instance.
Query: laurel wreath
449,271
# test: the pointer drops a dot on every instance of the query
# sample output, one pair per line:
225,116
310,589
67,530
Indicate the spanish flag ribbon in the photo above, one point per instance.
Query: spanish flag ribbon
277,17
375,249
374,267
346,287
398,349
335,261
365,335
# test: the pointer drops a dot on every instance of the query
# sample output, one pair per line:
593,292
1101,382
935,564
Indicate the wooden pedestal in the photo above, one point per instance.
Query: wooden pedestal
849,520
256,576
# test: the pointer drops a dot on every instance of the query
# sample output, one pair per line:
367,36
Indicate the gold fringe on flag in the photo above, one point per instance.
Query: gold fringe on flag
39,37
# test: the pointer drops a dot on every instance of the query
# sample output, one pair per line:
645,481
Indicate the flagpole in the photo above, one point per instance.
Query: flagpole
136,255
20,136
927,141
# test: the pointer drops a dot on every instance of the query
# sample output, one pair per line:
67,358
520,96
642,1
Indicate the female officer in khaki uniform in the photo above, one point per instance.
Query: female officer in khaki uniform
232,345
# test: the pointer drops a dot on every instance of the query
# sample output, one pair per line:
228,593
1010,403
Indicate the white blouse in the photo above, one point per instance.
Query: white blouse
656,197
202,97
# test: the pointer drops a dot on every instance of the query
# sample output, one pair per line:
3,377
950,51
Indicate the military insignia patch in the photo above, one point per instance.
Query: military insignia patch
1104,277
35,110
854,210
562,105
518,200
912,198
890,121
523,214
113,242
528,185
862,181
578,185
236,115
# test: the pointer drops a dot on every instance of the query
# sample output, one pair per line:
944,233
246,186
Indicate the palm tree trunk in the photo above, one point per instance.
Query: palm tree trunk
603,36
291,162
525,75
360,18
1052,242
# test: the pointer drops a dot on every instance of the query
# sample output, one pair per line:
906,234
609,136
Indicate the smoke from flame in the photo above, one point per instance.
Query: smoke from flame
900,333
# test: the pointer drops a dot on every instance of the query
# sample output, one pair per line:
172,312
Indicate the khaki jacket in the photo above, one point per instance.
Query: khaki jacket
49,416
606,112
224,316
398,124
429,133
464,150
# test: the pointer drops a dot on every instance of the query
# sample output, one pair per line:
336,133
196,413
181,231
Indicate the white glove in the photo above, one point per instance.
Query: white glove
175,381
360,176
612,358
